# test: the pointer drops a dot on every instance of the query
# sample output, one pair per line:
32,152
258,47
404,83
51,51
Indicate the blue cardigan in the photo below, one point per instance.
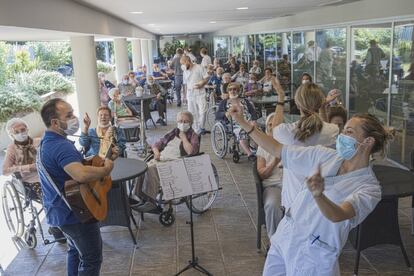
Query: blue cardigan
91,142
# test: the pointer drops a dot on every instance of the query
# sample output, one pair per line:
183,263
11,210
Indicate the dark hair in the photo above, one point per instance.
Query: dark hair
337,111
204,51
308,75
372,127
49,111
268,68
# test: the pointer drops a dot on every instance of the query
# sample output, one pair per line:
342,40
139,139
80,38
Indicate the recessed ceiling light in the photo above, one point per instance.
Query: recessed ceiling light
242,8
137,12
213,22
152,24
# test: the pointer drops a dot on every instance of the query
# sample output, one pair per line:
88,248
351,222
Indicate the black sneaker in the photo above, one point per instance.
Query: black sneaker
252,157
163,123
133,202
158,121
57,234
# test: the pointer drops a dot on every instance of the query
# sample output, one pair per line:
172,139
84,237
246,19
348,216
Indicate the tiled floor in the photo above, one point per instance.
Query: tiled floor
225,237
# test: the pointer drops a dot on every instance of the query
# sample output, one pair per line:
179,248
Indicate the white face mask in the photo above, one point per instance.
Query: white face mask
252,81
73,126
233,96
125,81
21,137
183,67
104,126
184,127
150,82
305,81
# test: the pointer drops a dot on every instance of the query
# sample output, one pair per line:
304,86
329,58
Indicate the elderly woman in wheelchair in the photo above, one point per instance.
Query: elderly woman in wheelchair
179,142
220,129
91,138
24,188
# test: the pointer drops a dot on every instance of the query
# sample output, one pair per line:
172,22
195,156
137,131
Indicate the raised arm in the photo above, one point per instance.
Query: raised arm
278,118
81,173
266,142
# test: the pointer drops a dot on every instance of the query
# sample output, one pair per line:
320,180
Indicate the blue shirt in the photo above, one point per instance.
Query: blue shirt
56,153
91,142
217,81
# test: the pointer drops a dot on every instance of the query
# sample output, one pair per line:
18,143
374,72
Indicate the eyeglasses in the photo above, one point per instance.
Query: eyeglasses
232,89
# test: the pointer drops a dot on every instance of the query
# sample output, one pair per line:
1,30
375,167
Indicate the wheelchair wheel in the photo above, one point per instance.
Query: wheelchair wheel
12,209
211,117
219,140
202,202
167,218
30,238
236,157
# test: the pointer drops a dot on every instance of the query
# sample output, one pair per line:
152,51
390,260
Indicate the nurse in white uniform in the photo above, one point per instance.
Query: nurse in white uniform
339,192
309,130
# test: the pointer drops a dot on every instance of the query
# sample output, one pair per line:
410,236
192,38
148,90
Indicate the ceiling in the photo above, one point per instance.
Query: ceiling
184,16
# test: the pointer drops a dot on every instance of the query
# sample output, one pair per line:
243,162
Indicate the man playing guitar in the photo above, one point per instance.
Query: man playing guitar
58,162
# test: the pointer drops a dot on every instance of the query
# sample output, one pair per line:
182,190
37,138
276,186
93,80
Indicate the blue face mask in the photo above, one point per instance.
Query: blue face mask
346,146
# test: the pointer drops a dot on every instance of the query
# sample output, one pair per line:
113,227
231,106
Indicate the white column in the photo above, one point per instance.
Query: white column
151,53
136,54
145,57
86,76
121,58
285,43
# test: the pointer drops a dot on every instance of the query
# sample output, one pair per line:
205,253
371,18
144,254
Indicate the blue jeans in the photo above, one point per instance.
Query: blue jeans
178,82
85,249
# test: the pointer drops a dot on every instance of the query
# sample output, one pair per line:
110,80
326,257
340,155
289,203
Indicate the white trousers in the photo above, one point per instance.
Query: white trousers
273,213
197,105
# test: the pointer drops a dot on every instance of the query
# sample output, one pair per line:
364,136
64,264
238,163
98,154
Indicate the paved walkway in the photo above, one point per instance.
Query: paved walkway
225,236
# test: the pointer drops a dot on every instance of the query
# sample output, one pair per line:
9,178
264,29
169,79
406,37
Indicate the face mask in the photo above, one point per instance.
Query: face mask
104,126
184,127
305,81
233,96
346,146
73,126
252,81
21,137
151,82
125,81
183,67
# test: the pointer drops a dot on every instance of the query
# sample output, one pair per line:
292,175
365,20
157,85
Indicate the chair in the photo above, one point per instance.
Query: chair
412,198
260,206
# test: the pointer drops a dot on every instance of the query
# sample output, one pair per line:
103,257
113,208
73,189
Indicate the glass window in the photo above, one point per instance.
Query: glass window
221,48
402,92
260,49
251,51
368,70
283,59
269,43
305,53
331,65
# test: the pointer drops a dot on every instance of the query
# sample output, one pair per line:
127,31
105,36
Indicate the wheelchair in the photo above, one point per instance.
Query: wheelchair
221,134
201,203
21,214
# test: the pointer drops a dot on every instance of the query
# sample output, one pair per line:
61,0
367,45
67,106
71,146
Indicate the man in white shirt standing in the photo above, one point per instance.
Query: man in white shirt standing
195,78
206,58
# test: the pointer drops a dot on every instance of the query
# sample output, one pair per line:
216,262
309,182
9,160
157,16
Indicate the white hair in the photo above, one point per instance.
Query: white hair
111,92
269,117
186,113
11,123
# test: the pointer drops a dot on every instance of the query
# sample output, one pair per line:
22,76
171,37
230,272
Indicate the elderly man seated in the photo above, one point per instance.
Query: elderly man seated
21,160
157,73
126,88
92,138
249,113
157,103
179,142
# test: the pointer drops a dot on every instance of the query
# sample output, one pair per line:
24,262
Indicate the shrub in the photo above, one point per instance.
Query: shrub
14,103
40,82
51,55
104,67
22,63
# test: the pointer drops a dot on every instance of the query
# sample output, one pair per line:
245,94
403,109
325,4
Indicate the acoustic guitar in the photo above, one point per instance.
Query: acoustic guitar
88,200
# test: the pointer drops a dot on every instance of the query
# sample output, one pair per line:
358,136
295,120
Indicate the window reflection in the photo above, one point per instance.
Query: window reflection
221,48
368,72
402,92
305,53
283,59
331,66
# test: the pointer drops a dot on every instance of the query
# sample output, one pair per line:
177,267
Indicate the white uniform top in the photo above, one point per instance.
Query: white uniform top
275,179
285,134
309,243
206,61
193,76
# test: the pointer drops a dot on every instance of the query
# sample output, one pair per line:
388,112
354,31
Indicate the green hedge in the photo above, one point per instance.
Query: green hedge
104,67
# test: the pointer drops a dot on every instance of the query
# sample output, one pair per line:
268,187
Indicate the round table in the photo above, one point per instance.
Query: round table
119,211
145,115
382,225
395,182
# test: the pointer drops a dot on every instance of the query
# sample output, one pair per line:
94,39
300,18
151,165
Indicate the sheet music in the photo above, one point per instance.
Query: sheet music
200,174
173,179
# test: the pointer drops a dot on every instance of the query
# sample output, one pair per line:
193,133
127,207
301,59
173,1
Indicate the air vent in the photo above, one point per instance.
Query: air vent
337,3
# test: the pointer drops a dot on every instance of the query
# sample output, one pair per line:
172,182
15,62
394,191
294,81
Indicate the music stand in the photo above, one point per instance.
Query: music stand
193,263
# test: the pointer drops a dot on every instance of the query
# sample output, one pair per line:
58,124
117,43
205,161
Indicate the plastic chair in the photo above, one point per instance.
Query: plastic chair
260,206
